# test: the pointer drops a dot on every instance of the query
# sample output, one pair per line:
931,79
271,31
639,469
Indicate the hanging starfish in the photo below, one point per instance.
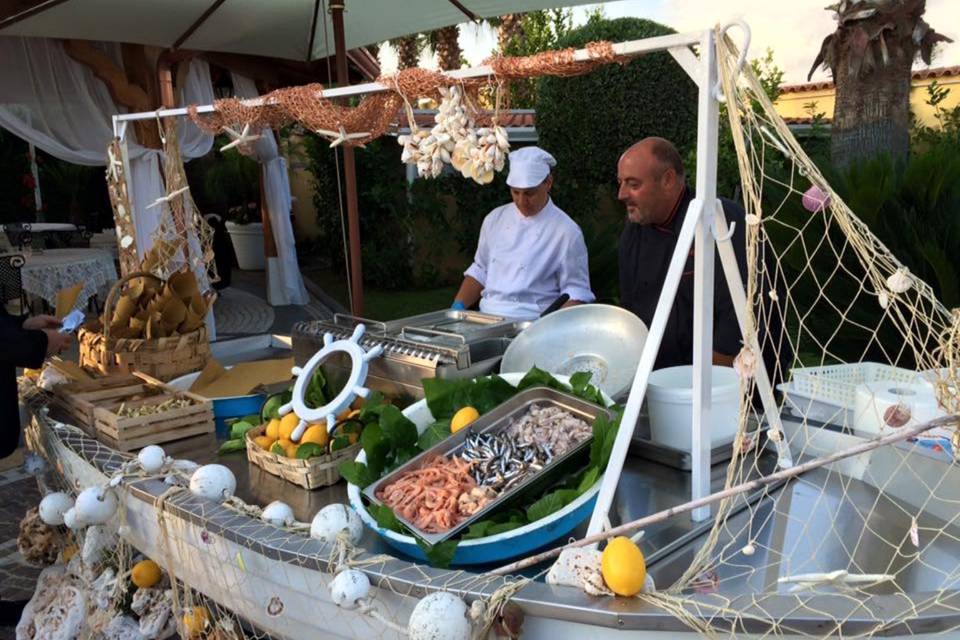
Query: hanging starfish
840,579
239,138
167,198
339,137
112,165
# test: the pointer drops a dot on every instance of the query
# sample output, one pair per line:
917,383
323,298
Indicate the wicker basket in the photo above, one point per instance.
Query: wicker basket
313,473
162,358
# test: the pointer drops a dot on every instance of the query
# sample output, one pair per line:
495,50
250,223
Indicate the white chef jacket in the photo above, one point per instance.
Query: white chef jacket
525,263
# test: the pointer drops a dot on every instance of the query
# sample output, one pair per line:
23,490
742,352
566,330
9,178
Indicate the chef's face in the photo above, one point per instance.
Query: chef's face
648,189
531,201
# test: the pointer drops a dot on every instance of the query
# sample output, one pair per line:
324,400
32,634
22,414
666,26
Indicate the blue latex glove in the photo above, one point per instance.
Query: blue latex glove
458,306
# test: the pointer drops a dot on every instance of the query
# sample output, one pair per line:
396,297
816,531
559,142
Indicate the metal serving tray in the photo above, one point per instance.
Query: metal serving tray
493,422
469,325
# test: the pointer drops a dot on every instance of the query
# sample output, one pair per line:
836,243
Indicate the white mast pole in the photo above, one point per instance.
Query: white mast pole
708,116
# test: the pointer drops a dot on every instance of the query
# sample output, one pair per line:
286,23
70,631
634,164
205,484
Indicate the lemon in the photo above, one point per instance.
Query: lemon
264,442
273,429
348,414
291,450
288,423
623,567
145,574
316,434
195,622
462,418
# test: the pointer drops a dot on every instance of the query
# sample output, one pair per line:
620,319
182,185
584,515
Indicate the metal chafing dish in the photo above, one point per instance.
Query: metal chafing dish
441,344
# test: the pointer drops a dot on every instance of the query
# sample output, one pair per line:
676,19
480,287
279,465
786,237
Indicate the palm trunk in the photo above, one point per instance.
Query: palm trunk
872,114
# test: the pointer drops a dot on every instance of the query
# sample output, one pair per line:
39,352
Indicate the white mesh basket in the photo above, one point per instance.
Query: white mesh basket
837,383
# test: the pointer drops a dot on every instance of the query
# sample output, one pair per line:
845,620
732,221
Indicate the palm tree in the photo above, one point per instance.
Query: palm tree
446,43
408,50
509,27
870,56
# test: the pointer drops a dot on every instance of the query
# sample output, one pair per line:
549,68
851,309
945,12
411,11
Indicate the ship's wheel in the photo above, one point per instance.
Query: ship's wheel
359,361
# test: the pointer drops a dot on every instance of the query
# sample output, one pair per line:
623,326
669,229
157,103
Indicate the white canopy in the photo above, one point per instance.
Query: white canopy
275,28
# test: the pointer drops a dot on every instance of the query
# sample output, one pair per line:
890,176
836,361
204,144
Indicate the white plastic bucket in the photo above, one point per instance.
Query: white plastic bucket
247,242
670,405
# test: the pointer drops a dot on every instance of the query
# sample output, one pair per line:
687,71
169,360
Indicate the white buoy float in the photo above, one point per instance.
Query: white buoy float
95,505
278,513
213,482
53,506
152,458
439,616
349,587
334,518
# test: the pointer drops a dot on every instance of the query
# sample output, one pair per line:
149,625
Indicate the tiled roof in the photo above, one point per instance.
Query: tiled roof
510,119
918,74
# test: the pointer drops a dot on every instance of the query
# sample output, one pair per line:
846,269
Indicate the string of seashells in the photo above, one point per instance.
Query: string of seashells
455,140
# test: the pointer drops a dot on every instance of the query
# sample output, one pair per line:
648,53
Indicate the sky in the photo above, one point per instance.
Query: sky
794,29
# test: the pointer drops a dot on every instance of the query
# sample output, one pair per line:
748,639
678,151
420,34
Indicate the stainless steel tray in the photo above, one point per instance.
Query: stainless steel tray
469,325
642,446
493,422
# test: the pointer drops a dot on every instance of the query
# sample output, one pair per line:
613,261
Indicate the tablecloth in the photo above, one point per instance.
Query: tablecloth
44,274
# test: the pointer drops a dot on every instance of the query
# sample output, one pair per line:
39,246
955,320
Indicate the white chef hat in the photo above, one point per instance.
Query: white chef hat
529,167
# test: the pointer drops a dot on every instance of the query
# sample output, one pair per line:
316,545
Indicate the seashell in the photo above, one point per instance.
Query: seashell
125,242
815,199
896,416
501,137
900,281
752,219
883,299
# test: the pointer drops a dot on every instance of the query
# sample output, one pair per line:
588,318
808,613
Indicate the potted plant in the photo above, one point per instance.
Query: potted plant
232,187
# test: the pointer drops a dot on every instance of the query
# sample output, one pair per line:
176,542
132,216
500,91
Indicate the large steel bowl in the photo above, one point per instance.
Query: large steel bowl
599,338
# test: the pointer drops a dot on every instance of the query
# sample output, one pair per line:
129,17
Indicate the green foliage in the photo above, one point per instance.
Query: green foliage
539,31
587,121
231,184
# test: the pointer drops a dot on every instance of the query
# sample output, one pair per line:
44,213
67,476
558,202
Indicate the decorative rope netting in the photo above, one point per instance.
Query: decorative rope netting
374,113
864,349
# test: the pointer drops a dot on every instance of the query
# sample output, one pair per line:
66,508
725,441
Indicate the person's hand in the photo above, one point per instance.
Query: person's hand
56,341
41,322
458,305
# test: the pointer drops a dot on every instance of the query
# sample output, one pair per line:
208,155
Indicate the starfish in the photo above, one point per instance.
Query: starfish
239,138
167,198
339,137
840,579
112,165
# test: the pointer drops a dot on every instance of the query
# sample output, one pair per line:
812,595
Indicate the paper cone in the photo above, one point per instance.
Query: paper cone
184,285
135,287
192,322
154,327
67,300
138,325
124,310
174,312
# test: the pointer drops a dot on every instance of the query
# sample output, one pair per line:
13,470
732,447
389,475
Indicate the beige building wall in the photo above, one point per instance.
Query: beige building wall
793,104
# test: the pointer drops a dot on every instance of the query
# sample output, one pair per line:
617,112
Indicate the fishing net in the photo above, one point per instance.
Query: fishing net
860,547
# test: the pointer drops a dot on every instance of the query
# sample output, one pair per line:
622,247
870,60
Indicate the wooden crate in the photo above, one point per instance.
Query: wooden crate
78,399
135,432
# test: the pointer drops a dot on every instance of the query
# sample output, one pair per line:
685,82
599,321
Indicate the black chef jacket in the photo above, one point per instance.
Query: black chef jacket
645,253
19,347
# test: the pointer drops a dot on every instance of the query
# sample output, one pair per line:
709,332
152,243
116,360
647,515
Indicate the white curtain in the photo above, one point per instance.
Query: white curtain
284,282
57,104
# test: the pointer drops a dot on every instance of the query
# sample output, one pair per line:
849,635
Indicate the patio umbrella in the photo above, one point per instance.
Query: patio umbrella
291,29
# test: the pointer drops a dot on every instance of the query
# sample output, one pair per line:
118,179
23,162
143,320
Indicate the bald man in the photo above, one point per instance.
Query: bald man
654,191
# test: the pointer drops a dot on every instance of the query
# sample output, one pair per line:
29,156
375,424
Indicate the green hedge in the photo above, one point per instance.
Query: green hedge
587,121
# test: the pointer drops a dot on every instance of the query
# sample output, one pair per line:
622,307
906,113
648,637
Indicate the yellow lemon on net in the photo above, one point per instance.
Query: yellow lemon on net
68,552
462,418
264,442
288,423
273,429
316,434
145,574
623,567
195,621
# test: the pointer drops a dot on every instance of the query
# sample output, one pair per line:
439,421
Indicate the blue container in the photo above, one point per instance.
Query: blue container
225,408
